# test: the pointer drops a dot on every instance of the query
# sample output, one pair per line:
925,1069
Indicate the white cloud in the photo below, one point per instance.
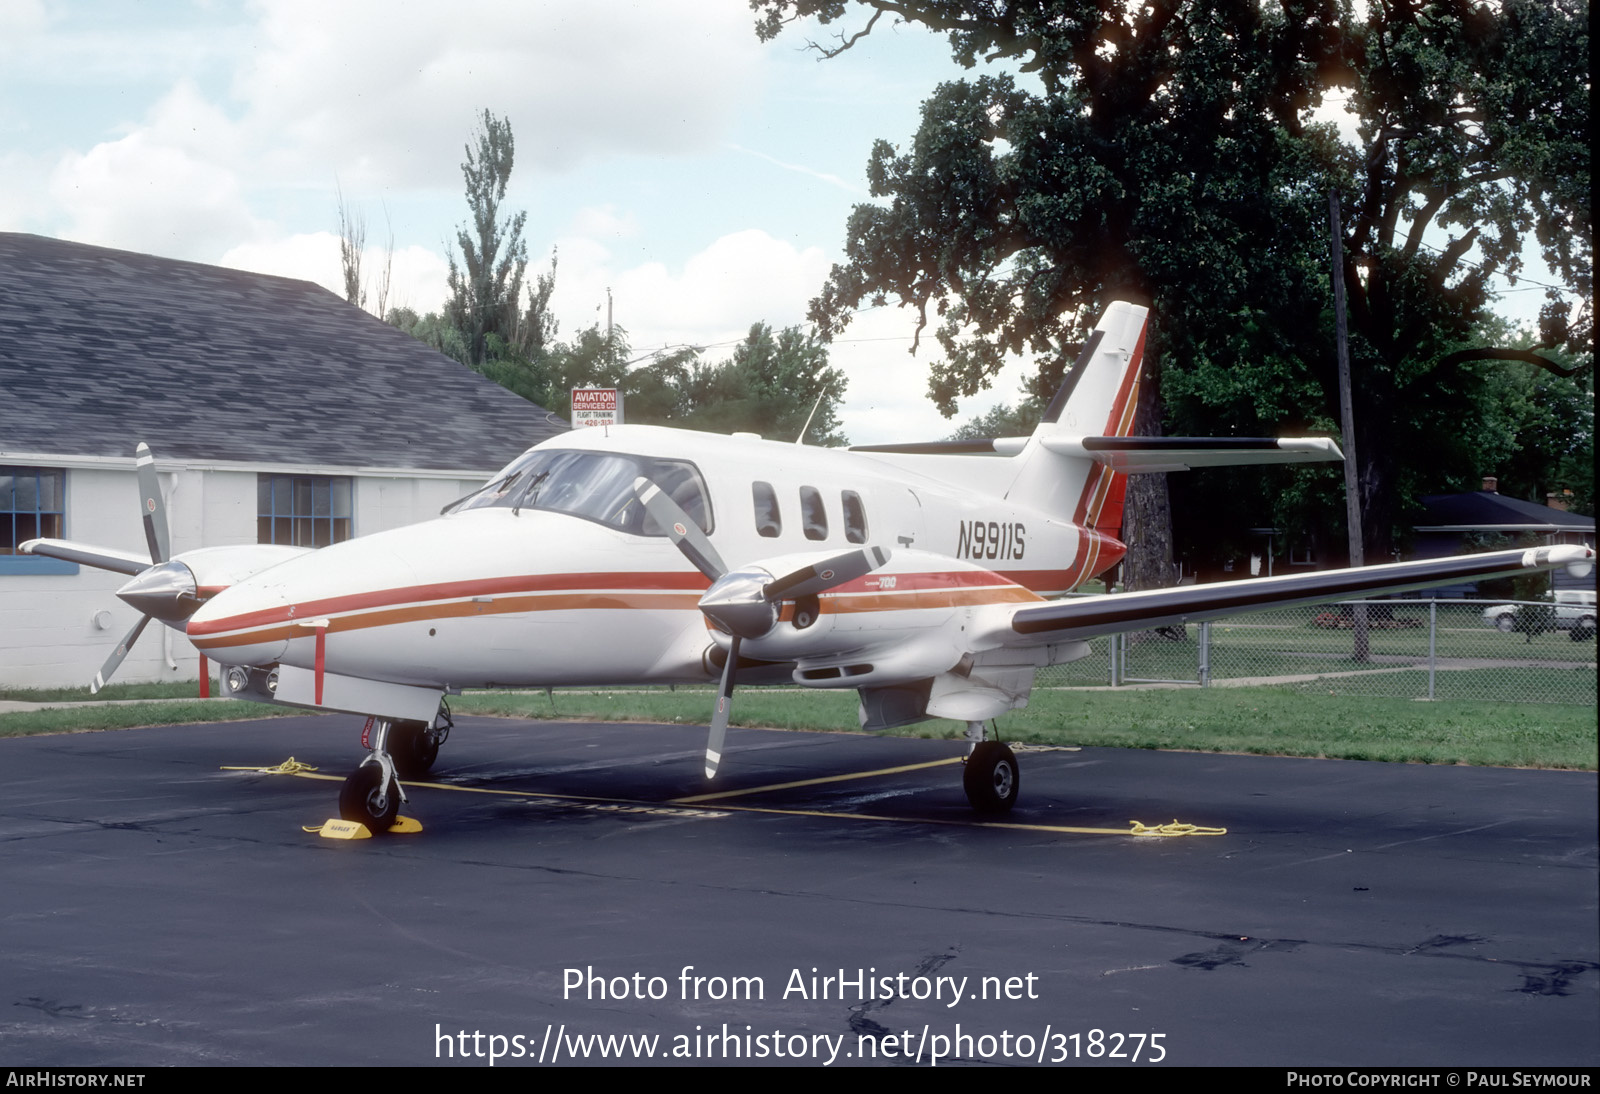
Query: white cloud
310,257
887,400
140,194
21,22
384,90
417,277
739,279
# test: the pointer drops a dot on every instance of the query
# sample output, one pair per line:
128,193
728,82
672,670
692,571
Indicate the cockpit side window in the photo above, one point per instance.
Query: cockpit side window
855,517
769,522
813,517
682,483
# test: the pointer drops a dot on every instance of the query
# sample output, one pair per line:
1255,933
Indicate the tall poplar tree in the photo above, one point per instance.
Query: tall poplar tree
486,285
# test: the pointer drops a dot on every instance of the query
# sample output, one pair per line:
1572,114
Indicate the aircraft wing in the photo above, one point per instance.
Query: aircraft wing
1086,617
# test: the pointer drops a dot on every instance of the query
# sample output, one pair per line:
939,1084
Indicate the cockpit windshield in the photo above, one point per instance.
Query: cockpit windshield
596,486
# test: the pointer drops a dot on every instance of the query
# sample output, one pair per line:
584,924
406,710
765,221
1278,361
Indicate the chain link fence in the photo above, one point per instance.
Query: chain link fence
1504,651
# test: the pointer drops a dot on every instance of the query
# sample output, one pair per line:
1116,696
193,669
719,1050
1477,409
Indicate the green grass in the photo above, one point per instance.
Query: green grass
87,717
1267,720
177,690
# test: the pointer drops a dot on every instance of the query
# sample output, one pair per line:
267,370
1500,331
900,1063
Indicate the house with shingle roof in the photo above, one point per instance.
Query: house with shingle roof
1453,524
277,412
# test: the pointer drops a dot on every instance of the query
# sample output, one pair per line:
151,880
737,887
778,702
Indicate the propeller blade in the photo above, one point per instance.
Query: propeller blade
719,718
824,575
117,655
151,505
684,532
103,558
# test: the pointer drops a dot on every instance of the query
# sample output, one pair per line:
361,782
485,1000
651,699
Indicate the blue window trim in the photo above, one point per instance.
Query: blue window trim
35,564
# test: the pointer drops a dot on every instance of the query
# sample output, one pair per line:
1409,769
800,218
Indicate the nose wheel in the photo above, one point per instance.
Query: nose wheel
372,794
367,798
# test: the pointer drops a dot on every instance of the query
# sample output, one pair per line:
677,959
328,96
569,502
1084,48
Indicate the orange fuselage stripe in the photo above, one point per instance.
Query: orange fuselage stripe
924,591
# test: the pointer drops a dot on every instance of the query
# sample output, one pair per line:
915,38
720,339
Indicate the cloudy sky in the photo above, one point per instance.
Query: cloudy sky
661,151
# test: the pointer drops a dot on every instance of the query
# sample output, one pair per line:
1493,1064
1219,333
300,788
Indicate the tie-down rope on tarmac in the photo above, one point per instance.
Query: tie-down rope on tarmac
294,767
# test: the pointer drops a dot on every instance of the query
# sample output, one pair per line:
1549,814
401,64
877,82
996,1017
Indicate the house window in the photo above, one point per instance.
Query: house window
303,510
32,506
769,522
855,517
813,517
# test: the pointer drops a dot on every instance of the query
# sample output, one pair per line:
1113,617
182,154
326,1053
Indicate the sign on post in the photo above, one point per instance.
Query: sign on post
596,406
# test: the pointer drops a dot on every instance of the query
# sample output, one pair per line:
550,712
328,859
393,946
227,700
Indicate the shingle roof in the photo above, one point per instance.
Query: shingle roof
100,349
1487,510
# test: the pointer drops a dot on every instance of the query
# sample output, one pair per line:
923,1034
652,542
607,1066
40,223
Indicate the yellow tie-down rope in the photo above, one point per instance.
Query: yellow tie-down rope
1176,828
291,766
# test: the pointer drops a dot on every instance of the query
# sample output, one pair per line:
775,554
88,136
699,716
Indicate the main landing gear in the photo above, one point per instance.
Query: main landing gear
372,795
991,778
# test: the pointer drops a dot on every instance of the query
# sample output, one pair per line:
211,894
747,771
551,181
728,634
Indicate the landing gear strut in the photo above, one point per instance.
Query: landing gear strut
991,778
372,794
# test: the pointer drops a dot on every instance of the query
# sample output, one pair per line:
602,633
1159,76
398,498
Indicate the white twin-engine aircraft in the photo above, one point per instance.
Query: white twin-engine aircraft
919,575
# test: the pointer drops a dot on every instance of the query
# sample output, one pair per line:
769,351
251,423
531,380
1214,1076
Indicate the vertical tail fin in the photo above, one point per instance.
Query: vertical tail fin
1098,398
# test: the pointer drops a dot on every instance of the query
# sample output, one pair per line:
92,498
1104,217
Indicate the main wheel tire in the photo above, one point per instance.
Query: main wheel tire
366,800
1506,623
413,746
1583,631
992,778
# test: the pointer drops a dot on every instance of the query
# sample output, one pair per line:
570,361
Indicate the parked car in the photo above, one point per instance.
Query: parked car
1574,613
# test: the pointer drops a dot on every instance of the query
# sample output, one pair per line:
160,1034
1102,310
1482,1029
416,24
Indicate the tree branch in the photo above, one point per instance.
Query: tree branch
1526,356
844,42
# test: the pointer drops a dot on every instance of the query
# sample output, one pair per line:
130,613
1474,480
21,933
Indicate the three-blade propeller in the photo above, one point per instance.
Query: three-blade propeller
163,589
166,589
744,603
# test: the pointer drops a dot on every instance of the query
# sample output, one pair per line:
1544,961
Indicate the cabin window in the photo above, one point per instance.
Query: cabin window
769,522
813,517
596,486
32,506
304,510
855,517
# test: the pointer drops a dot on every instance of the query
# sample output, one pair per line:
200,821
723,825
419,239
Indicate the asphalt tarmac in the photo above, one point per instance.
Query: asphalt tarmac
569,901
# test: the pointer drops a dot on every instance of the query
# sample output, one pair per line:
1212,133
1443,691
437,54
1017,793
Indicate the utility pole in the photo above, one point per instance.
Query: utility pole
1352,485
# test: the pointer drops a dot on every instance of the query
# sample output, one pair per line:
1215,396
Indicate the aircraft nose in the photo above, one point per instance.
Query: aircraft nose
242,625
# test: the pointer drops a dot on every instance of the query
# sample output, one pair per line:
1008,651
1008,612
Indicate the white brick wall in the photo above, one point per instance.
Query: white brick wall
49,634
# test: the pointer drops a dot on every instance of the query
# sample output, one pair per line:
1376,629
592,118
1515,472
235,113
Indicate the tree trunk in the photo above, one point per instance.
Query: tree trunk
1147,523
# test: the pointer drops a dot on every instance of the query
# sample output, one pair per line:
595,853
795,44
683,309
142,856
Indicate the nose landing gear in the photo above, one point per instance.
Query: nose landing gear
372,794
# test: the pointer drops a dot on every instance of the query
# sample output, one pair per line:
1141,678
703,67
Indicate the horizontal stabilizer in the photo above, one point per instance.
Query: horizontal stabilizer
1133,455
1137,455
1121,612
